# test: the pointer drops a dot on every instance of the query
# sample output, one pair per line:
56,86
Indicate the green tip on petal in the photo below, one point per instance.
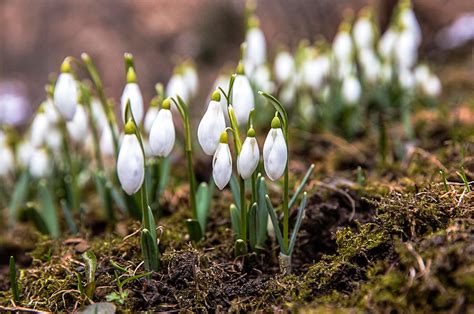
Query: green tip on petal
251,132
128,57
166,104
216,96
85,57
154,102
240,68
223,139
130,127
253,22
66,66
41,108
131,75
276,123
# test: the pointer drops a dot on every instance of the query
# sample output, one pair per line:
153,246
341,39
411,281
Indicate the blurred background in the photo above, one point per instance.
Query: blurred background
36,35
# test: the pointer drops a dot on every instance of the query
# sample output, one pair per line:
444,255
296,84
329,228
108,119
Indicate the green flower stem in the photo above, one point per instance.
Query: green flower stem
183,110
85,100
71,184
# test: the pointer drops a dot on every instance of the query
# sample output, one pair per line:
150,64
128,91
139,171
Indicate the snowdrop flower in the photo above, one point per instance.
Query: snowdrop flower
255,53
387,42
422,74
351,89
162,133
406,79
363,30
242,96
406,52
78,126
177,87
370,65
50,110
408,20
342,45
40,164
130,161
39,128
284,66
249,156
54,139
66,92
98,114
261,78
132,92
222,163
275,151
432,86
211,125
7,160
107,141
222,81
150,116
315,71
191,78
24,152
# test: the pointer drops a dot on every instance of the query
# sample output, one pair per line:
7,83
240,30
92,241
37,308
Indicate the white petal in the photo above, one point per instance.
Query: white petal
363,33
256,47
54,139
275,154
284,66
51,112
211,127
177,87
351,89
162,134
107,142
132,92
7,161
39,129
150,118
65,95
248,159
342,46
130,164
222,166
242,98
24,152
78,126
40,164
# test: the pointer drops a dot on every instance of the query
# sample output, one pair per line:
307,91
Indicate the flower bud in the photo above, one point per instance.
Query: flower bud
150,117
40,164
222,163
130,162
242,98
275,152
351,89
249,156
132,92
177,87
284,66
39,129
211,125
162,133
78,126
66,92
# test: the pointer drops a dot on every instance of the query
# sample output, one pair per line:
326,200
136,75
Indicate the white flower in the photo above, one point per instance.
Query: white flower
342,46
78,126
150,117
408,21
132,92
406,50
422,74
40,164
275,152
98,114
54,139
315,71
191,79
432,86
130,162
261,78
39,129
351,89
211,125
222,81
177,87
387,42
222,163
284,66
242,98
50,110
24,152
107,141
255,53
7,160
66,92
406,79
363,33
370,64
162,133
249,156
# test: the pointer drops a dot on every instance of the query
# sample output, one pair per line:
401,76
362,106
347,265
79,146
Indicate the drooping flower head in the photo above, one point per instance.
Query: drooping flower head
162,133
222,163
211,125
132,93
66,92
249,156
275,151
242,96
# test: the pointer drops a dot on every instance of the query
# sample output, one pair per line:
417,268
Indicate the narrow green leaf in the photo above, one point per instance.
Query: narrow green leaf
19,196
262,213
69,218
235,189
253,225
301,186
133,278
194,229
276,227
203,201
105,195
297,227
80,286
91,266
235,220
13,280
149,251
48,210
117,266
34,215
165,167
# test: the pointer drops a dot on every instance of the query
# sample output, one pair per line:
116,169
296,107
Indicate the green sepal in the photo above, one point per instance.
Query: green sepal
240,247
296,228
91,266
149,251
194,229
235,220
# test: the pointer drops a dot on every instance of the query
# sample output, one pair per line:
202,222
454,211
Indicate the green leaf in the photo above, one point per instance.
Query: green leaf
117,266
69,218
278,107
253,225
276,227
235,220
19,196
297,227
13,280
133,278
194,229
48,210
149,251
301,186
34,215
105,194
262,213
165,167
235,189
203,200
80,287
91,266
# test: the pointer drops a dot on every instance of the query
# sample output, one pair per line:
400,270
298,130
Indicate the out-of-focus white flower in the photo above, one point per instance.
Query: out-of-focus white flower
262,79
14,105
432,86
342,44
150,117
363,32
212,125
54,140
345,68
386,44
407,20
315,70
98,115
177,87
406,79
351,89
406,52
130,161
222,81
66,92
256,52
288,94
39,128
284,66
242,96
370,64
222,163
7,160
191,79
78,126
275,151
306,108
132,92
422,74
162,133
50,110
249,156
107,141
24,151
40,164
